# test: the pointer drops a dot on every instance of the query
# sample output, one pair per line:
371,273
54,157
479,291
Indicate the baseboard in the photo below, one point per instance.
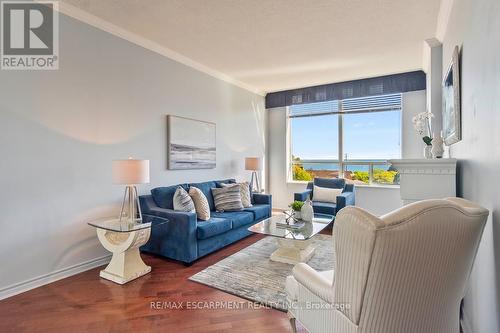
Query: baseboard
465,323
41,280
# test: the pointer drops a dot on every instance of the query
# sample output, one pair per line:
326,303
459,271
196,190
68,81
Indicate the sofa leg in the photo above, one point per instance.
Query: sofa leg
292,322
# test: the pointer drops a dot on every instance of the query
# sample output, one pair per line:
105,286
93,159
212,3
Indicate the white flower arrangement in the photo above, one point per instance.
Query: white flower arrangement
422,124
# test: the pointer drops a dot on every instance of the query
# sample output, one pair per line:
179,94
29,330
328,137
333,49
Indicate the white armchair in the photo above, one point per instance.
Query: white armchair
406,271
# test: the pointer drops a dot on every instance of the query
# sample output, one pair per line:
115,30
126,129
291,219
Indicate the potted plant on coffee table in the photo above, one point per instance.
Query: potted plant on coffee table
296,207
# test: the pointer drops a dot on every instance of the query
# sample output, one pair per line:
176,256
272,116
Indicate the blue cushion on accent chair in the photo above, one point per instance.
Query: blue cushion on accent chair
164,196
324,207
346,198
259,211
327,182
238,219
213,226
206,188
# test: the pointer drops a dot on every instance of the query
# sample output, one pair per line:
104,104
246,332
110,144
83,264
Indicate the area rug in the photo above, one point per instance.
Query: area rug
250,273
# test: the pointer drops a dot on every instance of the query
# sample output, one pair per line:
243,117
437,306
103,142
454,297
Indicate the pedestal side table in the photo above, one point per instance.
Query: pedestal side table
123,239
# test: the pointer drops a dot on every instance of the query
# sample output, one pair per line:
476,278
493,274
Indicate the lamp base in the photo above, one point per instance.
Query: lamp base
255,177
131,209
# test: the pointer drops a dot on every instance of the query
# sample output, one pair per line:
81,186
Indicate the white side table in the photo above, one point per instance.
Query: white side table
123,239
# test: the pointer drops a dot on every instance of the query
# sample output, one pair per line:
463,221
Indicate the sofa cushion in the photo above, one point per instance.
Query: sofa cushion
206,187
259,211
164,196
219,183
238,219
200,203
245,193
324,207
214,226
326,194
227,198
182,201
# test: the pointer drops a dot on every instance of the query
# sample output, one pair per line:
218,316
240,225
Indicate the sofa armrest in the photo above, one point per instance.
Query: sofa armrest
263,199
176,238
348,188
302,196
148,206
173,215
345,199
313,281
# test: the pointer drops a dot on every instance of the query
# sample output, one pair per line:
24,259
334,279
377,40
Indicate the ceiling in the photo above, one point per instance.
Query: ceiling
272,45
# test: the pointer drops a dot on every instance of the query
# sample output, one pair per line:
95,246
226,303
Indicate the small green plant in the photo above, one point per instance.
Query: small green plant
296,205
428,140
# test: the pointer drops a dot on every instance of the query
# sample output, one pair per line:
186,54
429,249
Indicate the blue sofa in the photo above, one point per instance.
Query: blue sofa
184,237
346,198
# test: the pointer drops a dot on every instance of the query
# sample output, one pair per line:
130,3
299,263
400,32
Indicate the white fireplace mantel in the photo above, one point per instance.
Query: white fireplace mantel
426,178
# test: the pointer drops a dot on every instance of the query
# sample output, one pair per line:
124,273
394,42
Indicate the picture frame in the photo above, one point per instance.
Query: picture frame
452,122
191,144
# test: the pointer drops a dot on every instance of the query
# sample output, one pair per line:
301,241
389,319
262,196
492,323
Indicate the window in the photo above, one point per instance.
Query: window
352,138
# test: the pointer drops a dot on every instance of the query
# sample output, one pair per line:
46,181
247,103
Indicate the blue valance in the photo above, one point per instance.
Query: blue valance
382,85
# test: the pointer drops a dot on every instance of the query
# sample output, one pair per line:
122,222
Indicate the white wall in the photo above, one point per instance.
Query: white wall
412,146
475,26
60,130
378,200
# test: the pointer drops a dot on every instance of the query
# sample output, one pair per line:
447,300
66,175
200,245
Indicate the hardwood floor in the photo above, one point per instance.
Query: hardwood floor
87,303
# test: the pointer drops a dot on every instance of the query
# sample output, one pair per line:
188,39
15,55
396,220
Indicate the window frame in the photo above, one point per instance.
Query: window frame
340,161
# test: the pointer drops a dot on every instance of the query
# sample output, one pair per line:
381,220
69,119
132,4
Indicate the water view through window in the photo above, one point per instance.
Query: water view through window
366,141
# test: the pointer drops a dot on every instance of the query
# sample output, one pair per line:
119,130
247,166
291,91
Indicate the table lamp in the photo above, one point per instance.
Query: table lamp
254,164
131,172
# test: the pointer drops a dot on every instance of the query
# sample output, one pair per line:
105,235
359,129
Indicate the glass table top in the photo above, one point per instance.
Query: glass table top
114,224
269,227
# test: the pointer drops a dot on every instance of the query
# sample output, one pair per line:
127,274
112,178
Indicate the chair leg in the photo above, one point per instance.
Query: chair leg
292,322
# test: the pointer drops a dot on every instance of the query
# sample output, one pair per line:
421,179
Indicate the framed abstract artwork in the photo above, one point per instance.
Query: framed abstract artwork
191,144
452,123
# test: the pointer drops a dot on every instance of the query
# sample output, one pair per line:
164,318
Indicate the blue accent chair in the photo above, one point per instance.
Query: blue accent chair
185,238
346,198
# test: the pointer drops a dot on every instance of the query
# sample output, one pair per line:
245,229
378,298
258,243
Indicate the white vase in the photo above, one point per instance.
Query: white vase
296,214
437,146
307,212
427,151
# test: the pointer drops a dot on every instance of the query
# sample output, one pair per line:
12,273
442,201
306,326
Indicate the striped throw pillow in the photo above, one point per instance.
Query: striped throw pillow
200,203
244,192
228,198
182,201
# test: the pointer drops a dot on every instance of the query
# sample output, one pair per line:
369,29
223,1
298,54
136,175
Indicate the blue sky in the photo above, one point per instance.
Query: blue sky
374,135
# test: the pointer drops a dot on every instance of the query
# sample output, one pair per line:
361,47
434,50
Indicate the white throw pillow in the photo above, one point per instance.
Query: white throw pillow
182,201
200,203
326,194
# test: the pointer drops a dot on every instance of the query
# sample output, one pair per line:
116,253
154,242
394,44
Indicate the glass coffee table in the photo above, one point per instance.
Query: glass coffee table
294,244
123,239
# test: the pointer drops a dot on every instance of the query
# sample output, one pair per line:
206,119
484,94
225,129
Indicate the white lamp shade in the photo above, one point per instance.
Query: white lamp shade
253,163
131,172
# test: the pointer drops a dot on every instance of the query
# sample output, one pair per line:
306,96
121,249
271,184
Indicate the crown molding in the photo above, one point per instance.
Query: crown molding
134,38
443,18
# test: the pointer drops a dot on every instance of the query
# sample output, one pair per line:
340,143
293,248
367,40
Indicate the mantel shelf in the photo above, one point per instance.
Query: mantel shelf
423,161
